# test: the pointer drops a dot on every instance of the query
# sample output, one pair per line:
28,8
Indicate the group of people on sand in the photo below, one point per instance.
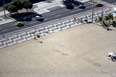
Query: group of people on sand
35,36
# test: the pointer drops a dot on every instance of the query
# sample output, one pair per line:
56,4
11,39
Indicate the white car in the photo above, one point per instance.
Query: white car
82,6
39,18
111,56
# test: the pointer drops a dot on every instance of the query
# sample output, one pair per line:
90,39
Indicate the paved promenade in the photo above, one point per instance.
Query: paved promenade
75,52
51,27
58,26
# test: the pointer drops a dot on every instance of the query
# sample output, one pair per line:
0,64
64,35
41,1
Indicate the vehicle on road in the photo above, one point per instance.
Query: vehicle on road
19,24
82,6
69,6
98,5
112,56
39,17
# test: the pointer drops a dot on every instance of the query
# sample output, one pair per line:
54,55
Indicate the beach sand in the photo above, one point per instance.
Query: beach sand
76,52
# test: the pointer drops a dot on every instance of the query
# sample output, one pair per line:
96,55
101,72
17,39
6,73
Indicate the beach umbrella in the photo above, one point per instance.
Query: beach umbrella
86,18
112,54
113,9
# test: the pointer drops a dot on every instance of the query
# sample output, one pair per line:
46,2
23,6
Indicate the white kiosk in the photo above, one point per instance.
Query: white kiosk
114,12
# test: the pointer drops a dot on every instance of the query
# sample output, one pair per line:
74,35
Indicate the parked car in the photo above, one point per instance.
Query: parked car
19,24
69,6
112,56
82,6
39,17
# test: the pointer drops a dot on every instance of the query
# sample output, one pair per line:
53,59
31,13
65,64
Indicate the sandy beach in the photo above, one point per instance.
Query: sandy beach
76,52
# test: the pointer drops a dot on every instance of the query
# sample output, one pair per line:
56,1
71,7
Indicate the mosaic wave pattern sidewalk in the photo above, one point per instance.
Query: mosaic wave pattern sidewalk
44,7
8,41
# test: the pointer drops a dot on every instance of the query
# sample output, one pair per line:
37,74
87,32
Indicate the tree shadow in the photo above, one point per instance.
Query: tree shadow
77,3
35,1
105,27
24,16
7,1
70,4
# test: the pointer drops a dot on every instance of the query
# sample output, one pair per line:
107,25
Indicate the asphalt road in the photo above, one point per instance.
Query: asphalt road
54,14
110,1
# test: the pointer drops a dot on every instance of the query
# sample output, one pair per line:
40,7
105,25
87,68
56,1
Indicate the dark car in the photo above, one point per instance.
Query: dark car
39,18
27,19
69,6
82,6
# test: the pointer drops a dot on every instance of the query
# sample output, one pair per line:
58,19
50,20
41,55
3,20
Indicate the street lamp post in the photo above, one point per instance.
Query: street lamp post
4,8
92,10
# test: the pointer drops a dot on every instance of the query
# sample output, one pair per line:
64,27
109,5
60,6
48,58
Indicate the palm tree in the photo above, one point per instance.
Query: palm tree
114,23
100,19
104,23
111,17
107,18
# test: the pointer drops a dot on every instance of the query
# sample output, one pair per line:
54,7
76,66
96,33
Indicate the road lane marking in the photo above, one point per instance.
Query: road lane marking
57,15
53,13
32,22
4,30
79,9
